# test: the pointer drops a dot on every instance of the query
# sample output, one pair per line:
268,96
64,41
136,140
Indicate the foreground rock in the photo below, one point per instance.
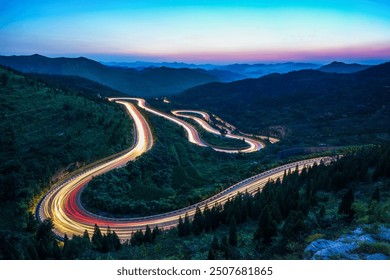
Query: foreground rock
351,246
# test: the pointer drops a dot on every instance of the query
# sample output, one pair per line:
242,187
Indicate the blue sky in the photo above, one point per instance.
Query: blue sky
198,31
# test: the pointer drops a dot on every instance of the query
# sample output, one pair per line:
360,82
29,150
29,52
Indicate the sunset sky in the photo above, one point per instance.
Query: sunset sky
198,31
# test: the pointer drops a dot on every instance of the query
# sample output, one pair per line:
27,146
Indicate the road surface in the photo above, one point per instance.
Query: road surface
192,134
62,202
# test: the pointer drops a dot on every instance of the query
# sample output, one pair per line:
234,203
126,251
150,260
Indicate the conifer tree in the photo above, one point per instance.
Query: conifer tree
345,206
197,225
375,195
233,232
156,231
97,238
180,228
86,235
186,225
266,227
148,238
116,242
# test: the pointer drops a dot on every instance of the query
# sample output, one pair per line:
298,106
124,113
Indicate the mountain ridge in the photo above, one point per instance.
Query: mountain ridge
341,67
310,105
148,82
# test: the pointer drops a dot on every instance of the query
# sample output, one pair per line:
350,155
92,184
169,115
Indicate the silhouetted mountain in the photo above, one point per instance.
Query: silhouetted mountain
223,75
242,70
147,82
77,84
258,70
145,64
340,67
308,106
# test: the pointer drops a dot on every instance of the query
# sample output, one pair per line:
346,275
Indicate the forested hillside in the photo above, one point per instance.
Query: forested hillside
46,133
305,107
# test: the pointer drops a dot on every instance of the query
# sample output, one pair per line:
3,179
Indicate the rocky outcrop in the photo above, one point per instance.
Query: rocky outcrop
347,246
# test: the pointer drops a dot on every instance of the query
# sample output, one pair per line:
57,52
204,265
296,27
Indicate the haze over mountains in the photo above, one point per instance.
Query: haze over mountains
158,79
147,82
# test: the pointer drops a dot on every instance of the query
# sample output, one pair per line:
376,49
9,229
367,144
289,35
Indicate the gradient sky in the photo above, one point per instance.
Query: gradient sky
198,31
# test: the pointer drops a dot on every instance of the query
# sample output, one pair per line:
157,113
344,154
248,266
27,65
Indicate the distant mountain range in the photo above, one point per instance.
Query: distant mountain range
244,70
308,105
340,67
158,79
146,82
249,70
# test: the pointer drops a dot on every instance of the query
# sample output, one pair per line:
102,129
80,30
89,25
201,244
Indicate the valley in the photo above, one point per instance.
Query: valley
213,148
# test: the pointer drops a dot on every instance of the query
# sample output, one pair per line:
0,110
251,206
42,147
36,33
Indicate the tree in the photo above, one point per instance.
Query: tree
180,228
97,238
3,80
207,219
116,241
76,247
197,225
137,238
156,231
107,242
211,255
266,229
233,232
375,195
186,225
47,246
148,235
66,240
86,235
345,206
31,225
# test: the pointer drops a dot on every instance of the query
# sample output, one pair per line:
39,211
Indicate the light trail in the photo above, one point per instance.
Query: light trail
192,133
62,202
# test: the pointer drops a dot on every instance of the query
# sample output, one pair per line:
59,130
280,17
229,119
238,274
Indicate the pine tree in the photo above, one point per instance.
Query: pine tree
211,255
156,231
116,242
148,238
137,238
197,225
86,235
322,211
225,247
180,228
345,206
107,242
375,195
207,219
47,246
97,238
266,227
186,225
32,224
66,240
233,232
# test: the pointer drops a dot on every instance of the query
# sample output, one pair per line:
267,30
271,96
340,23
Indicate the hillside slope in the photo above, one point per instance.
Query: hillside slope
46,132
307,106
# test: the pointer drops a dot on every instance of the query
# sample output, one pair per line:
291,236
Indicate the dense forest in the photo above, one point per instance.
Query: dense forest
73,126
174,174
46,133
279,222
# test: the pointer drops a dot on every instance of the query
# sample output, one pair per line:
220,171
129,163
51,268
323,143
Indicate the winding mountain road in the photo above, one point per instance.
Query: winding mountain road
62,202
